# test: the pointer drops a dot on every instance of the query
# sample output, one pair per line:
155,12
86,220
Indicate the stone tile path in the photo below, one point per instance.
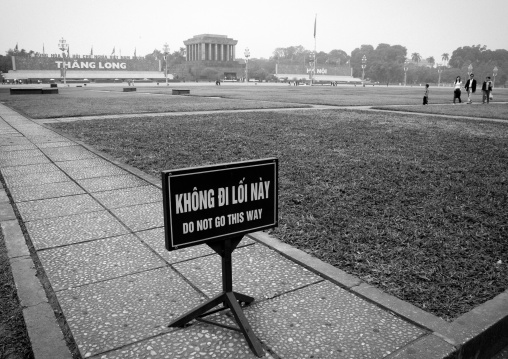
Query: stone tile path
97,230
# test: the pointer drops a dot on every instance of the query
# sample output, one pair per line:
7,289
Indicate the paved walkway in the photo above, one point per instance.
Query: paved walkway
278,109
95,231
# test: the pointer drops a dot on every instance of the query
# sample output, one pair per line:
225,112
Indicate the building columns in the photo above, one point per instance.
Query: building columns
210,52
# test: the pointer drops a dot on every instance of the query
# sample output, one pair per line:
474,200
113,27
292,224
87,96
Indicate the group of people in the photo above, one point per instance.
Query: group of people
470,88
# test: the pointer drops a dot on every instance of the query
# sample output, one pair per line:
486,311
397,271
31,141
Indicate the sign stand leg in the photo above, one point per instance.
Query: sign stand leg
228,298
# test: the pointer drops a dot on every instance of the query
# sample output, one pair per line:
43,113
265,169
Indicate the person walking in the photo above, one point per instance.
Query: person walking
486,89
470,88
426,95
456,91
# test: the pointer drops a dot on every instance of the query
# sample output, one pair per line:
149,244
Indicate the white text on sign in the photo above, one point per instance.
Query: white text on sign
205,199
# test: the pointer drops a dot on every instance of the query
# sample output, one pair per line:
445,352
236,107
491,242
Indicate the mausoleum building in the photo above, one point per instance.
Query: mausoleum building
211,56
209,47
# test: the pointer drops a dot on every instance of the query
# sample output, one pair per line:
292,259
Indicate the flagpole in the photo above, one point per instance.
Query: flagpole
315,54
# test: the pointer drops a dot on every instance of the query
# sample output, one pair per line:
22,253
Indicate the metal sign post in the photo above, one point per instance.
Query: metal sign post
217,205
228,298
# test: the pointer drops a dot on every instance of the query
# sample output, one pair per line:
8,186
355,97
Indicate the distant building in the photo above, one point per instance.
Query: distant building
210,57
207,47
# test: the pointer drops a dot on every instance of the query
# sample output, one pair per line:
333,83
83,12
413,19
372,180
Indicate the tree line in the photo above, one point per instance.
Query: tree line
384,64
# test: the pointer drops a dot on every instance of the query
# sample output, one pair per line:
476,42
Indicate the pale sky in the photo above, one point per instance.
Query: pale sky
429,27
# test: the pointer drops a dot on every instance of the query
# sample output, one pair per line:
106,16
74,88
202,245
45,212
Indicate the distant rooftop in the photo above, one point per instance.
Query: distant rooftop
211,35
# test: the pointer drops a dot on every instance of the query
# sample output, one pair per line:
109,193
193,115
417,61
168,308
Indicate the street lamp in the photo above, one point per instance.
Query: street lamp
495,74
439,70
470,69
165,48
247,55
312,64
64,46
364,64
406,63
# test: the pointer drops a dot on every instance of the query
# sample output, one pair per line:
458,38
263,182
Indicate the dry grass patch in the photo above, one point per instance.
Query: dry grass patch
415,206
99,101
493,110
14,340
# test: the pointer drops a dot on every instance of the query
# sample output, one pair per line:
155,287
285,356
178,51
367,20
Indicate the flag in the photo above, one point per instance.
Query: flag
113,52
315,20
16,48
91,51
43,48
134,52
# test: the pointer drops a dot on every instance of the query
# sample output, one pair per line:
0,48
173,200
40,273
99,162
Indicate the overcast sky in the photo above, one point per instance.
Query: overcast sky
429,27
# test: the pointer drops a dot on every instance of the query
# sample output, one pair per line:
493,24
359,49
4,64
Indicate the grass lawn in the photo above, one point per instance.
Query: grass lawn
415,206
493,110
14,341
327,95
72,102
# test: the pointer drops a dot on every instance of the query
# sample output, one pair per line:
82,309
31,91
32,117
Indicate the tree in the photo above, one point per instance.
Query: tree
387,63
467,54
5,63
416,57
177,57
321,58
356,59
279,53
295,53
445,57
155,55
431,61
338,57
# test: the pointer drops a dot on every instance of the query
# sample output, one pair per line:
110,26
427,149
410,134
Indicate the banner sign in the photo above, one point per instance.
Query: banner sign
95,65
322,71
222,201
86,63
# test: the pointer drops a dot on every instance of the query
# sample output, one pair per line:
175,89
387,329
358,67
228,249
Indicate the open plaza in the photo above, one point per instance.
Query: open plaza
391,235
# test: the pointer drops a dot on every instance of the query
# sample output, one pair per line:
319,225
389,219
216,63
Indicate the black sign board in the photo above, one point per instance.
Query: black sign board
203,204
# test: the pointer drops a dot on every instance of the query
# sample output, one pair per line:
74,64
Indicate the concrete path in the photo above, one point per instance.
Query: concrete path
95,240
278,109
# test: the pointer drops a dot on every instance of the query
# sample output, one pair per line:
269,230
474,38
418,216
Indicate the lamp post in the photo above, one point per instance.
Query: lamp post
406,63
364,64
495,74
470,69
165,48
312,65
63,46
439,70
247,55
